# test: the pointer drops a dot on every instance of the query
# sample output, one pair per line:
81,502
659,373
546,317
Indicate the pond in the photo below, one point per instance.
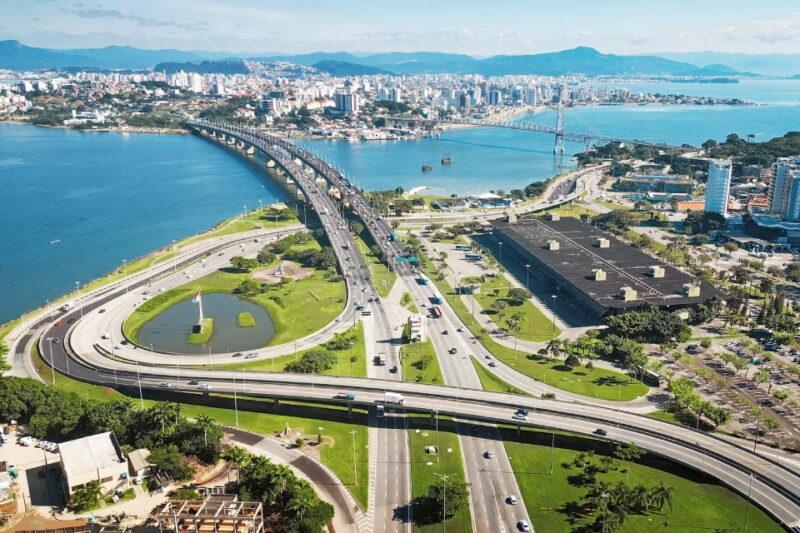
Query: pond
167,331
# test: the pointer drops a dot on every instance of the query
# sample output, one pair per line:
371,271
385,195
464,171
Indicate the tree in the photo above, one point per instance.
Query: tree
617,221
518,295
450,493
628,453
265,256
661,496
703,222
499,305
244,264
169,459
239,457
86,498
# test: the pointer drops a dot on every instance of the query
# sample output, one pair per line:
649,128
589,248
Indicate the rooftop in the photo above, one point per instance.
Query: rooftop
88,454
579,254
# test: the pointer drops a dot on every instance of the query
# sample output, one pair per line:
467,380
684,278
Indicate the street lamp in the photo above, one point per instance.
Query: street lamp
52,366
78,288
445,478
527,273
501,250
554,314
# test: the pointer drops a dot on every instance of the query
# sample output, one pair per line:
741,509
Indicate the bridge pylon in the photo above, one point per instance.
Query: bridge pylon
558,148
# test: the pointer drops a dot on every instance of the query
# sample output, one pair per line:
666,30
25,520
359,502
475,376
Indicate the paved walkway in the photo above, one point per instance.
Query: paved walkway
348,516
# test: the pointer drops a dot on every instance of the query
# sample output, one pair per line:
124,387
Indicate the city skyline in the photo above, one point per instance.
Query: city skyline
244,26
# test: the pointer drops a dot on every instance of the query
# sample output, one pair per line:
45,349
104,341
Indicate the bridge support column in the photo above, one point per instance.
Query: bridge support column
275,403
349,411
240,145
270,163
251,150
231,140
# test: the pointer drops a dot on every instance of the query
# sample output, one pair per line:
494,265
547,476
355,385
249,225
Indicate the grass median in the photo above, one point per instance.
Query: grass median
425,467
420,363
381,275
600,383
552,500
491,382
205,333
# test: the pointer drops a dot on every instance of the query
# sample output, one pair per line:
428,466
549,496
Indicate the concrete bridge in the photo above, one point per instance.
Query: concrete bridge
305,167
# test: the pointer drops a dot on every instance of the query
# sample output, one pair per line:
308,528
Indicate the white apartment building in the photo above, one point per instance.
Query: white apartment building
718,186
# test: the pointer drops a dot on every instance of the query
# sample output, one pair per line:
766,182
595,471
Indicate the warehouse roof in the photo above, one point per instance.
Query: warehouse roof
579,254
88,454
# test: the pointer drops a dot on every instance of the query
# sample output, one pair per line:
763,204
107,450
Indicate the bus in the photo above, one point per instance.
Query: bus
463,247
436,312
472,257
437,298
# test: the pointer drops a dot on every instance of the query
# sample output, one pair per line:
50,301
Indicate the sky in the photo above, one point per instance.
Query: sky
479,28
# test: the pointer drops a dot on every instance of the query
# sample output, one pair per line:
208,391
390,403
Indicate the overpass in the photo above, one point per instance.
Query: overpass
296,160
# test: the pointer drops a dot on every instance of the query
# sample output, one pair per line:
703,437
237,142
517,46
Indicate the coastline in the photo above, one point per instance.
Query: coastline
114,129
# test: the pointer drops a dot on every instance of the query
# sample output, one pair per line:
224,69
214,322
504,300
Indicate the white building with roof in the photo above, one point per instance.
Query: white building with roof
96,457
718,186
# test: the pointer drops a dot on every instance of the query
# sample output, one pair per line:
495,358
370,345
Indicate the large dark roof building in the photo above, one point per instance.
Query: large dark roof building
602,272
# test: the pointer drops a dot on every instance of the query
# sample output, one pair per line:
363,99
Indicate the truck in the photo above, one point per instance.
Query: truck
67,306
393,397
346,396
436,312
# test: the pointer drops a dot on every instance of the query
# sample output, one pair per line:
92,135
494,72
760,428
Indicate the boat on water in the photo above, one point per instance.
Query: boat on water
55,241
446,159
426,167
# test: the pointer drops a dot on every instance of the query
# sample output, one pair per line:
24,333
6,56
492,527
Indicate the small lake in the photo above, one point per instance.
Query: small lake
167,331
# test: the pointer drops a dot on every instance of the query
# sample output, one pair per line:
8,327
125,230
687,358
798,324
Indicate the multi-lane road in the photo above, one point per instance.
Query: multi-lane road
81,352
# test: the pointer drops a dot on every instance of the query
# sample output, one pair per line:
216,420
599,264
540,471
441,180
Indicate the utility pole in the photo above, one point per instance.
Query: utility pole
52,366
355,470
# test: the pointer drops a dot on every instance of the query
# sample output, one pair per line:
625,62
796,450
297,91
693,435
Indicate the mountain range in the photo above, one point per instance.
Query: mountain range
581,60
764,64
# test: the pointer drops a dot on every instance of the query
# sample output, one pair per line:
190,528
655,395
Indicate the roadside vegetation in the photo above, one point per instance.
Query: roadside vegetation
407,301
344,355
564,486
491,382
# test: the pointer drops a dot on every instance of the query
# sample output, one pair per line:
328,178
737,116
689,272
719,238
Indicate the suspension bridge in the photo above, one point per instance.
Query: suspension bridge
559,133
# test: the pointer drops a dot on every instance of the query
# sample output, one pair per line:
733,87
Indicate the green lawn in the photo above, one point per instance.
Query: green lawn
351,362
261,416
421,433
238,224
205,333
534,325
603,384
420,363
571,210
491,382
699,502
245,320
407,301
288,304
383,277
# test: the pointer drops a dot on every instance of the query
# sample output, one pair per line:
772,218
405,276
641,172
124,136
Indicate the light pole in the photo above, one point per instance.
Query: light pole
235,403
78,288
124,275
501,250
527,276
355,470
554,314
319,435
445,478
139,380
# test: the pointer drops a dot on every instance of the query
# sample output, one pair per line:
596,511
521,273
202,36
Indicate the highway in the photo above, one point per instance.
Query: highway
84,356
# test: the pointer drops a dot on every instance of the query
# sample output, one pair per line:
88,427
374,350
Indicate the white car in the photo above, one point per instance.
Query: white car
166,385
523,525
512,500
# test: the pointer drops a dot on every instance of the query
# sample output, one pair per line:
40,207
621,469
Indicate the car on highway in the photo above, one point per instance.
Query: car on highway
104,336
238,354
452,350
166,385
345,396
205,386
194,382
519,416
523,525
600,431
511,500
102,311
250,356
488,454
492,364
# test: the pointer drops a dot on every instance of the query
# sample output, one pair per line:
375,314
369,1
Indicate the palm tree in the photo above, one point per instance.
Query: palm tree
280,478
554,348
204,422
660,496
238,456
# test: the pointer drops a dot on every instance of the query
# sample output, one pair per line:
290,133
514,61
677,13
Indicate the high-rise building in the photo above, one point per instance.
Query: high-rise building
395,94
781,182
346,103
718,186
791,213
494,97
